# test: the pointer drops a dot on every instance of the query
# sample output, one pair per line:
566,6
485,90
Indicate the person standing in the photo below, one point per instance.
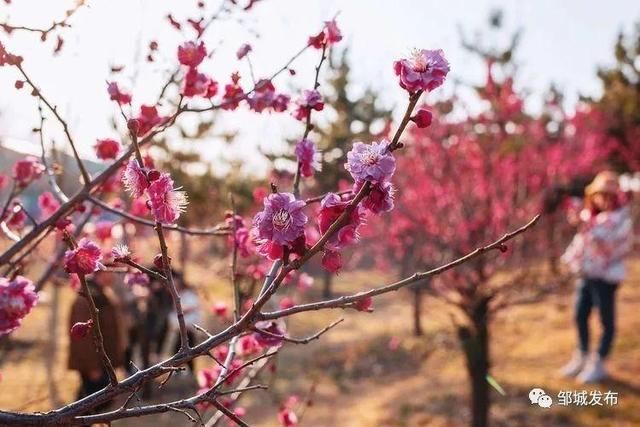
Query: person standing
83,355
596,254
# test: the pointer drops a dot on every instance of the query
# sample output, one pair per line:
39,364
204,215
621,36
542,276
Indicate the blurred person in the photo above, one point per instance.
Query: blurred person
83,355
596,254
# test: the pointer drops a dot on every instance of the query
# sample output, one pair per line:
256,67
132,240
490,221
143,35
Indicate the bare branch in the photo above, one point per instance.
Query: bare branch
344,301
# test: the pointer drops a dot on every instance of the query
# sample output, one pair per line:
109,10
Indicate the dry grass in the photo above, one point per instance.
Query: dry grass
361,381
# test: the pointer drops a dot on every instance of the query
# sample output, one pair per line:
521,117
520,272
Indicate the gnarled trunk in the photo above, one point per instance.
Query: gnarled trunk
475,345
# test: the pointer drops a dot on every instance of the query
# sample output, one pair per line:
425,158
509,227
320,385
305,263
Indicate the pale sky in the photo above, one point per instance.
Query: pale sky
563,42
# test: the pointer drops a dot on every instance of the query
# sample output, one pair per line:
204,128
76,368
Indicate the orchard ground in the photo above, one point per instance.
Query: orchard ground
371,371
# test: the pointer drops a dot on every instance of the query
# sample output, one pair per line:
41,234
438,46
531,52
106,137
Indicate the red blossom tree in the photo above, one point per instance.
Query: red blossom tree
473,177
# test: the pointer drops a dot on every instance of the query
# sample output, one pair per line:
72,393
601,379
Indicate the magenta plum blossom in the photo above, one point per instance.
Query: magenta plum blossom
191,54
27,170
331,207
310,100
281,221
116,94
332,261
84,259
148,119
17,298
15,217
371,162
380,199
264,96
48,204
167,202
308,157
107,149
120,252
198,84
329,35
103,230
273,334
135,179
425,70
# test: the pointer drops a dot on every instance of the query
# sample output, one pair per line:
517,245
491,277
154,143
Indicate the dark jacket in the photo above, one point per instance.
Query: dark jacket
83,356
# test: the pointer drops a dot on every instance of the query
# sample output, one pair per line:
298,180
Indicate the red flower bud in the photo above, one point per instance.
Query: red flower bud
157,262
134,126
365,304
423,118
153,175
62,223
19,84
81,329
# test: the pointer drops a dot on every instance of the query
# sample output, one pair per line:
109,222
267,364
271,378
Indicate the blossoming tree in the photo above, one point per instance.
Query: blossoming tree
288,230
475,176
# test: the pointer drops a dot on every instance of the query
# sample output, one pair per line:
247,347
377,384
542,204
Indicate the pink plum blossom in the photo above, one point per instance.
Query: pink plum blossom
135,179
331,207
27,170
425,70
107,149
84,259
116,94
380,199
310,100
371,162
308,157
282,220
198,84
17,298
48,204
167,202
191,54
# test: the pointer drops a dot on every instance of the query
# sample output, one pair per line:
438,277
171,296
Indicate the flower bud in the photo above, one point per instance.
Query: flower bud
81,329
157,261
153,175
423,118
364,304
134,126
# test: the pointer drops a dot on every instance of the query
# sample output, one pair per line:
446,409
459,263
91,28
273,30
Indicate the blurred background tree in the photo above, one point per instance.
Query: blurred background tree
620,101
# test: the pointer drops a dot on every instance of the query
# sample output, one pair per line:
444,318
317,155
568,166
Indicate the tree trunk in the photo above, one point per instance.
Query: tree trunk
327,292
475,344
417,311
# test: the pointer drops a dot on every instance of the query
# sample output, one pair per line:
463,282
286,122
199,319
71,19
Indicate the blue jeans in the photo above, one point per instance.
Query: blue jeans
600,293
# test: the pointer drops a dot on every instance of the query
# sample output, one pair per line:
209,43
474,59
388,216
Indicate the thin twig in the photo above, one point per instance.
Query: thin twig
346,300
96,331
306,340
166,263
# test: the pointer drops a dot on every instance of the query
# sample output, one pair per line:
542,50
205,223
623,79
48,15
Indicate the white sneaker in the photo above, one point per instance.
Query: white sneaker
594,371
575,365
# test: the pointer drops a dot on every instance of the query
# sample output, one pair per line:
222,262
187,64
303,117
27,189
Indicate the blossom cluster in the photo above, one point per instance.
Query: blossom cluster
17,298
191,54
165,202
279,229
